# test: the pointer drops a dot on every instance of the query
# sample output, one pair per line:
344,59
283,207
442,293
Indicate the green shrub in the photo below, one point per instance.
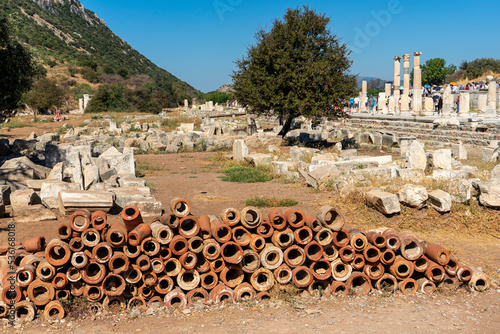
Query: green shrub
268,202
247,174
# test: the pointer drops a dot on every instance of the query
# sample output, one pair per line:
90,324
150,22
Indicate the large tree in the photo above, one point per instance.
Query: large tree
17,69
297,68
44,95
434,71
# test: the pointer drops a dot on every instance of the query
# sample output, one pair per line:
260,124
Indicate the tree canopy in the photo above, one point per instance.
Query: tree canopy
44,95
297,68
434,71
17,69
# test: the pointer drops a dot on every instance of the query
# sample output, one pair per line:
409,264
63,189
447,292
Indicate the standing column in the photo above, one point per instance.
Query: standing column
447,102
362,100
417,84
387,96
492,95
464,104
405,109
397,79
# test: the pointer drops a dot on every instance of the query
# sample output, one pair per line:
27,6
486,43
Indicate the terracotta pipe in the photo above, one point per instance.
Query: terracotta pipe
63,295
358,263
57,252
165,285
94,273
204,221
257,243
387,231
222,293
145,291
250,217
321,269
263,296
45,271
294,256
244,292
408,286
60,281
99,220
30,259
241,236
80,220
24,312
93,293
117,235
102,252
339,289
302,276
232,276
113,285
313,251
19,255
358,239
74,274
387,257
175,299
324,236
136,302
479,281
76,244
188,227
464,273
165,253
119,263
211,249
426,286
451,267
188,260
421,264
202,265
188,279
387,283
374,270
40,293
330,253
437,254
271,257
13,294
230,216
262,279
449,283
162,233
172,267
36,244
197,295
313,223
178,245
340,270
157,265
277,219
149,278
133,275
393,242
295,218
91,237
231,252
376,239
319,288
303,235
170,219
115,301
131,252
265,229
410,249
283,274
217,265
371,254
220,231
76,289
180,207
283,239
150,246
401,268
346,254
434,272
138,234
143,262
251,261
24,275
341,238
209,280
131,217
359,284
331,218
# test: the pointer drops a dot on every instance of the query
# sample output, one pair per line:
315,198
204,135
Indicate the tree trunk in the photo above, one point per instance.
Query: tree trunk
286,126
34,115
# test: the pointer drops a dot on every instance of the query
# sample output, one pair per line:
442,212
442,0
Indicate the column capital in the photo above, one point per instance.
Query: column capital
407,57
397,58
416,54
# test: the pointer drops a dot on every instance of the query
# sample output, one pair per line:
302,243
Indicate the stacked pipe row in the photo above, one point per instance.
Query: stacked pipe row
179,258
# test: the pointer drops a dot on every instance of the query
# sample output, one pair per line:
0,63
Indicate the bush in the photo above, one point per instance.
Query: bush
247,174
269,202
80,89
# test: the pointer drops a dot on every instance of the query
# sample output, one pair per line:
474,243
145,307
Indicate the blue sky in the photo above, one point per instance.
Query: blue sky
199,40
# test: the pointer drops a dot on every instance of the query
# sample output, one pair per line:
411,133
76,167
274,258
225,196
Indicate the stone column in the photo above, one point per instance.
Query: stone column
482,104
417,84
405,109
186,103
362,100
447,102
80,104
492,93
392,106
397,76
387,89
86,100
381,106
464,104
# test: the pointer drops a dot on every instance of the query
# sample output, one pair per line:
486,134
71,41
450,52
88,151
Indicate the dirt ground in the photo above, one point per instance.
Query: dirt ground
192,177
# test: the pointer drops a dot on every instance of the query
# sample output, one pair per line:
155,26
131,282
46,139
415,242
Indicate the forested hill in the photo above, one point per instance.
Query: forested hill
64,32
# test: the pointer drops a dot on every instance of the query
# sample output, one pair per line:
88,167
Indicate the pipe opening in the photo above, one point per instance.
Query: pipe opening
176,302
179,246
80,221
436,273
93,270
403,269
245,295
57,253
302,277
118,263
387,285
421,263
340,269
22,313
196,244
295,257
379,240
208,280
181,208
284,238
222,232
358,284
341,237
102,252
261,278
116,237
412,249
130,211
188,226
272,258
40,293
251,216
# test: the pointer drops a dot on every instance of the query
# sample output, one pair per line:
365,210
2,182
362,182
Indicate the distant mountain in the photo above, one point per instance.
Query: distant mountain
64,32
361,79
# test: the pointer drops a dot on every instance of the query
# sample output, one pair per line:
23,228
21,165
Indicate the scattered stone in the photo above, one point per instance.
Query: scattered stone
440,200
33,213
441,159
415,156
384,202
255,159
489,193
240,149
460,191
414,196
71,200
22,198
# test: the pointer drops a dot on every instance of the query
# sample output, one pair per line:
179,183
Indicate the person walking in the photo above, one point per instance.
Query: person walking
371,104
